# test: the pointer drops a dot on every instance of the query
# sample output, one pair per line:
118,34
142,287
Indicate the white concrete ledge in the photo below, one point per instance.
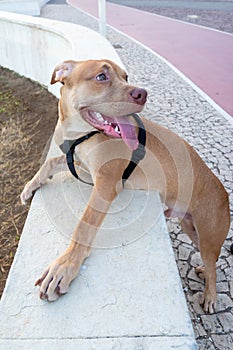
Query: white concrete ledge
26,7
34,46
128,294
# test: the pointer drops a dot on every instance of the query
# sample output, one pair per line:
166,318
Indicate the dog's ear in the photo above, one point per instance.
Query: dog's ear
62,71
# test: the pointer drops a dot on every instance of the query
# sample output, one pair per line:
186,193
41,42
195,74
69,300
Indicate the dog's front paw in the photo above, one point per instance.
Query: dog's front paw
28,192
56,279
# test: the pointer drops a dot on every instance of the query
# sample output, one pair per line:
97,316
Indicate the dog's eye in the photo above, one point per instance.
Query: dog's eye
126,78
101,77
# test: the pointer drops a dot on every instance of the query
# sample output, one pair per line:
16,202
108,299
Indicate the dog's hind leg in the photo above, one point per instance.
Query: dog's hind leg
209,256
48,169
212,234
188,227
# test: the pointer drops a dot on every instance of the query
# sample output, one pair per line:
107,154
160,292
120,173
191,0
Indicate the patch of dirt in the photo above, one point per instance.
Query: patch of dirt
28,115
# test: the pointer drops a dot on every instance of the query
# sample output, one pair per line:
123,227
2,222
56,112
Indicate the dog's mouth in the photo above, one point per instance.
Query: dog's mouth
117,127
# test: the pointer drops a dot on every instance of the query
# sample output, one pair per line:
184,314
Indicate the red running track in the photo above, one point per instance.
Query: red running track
204,55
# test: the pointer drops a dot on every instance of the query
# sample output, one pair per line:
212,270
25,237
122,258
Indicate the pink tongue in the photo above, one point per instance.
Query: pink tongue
128,133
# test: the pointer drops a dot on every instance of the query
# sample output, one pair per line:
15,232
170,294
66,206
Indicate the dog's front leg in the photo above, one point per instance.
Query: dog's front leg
48,169
57,277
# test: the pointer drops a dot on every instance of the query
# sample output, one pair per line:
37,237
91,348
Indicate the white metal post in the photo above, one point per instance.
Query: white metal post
102,16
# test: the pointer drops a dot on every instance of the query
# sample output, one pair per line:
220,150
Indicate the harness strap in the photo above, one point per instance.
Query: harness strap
69,147
138,154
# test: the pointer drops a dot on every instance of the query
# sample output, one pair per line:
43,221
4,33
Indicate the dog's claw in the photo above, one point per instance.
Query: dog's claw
212,308
43,296
57,290
38,282
41,279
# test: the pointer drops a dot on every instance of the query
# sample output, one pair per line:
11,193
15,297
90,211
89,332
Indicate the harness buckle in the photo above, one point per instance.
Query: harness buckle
138,154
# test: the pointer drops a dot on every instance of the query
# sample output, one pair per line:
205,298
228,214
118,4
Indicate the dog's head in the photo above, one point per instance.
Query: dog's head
98,91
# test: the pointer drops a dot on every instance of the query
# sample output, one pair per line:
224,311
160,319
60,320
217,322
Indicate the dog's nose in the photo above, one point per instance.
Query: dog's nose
139,96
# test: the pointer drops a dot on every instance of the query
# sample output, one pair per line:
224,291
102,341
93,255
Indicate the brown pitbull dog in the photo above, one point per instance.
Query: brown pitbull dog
96,96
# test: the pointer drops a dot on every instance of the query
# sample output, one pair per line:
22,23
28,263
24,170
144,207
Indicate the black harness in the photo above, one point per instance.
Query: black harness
138,154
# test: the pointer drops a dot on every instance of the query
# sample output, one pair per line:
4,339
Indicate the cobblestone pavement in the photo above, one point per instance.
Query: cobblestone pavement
219,17
175,104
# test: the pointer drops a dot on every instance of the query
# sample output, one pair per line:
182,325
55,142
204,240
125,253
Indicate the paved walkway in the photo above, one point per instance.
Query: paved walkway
216,14
222,5
175,104
202,54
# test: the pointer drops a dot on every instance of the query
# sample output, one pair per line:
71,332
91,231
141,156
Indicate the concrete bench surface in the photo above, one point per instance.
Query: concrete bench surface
128,294
128,291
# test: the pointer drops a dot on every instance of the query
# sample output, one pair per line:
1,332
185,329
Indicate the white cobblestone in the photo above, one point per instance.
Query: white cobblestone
211,323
